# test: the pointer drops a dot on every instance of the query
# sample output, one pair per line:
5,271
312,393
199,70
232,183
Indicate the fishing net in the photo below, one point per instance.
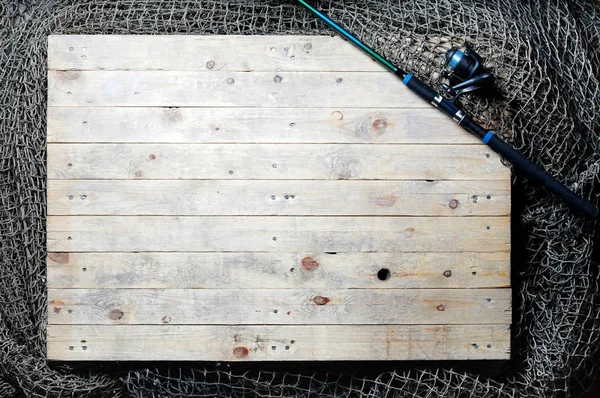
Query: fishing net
545,55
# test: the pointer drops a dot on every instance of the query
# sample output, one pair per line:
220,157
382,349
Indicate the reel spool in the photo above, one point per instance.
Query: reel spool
465,73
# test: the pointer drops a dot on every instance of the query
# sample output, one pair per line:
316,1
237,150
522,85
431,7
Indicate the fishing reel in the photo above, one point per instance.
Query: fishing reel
465,73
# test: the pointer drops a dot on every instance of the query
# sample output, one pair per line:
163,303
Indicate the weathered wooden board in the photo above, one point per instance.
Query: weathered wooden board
206,53
281,270
334,198
273,162
254,125
229,89
278,342
264,198
280,306
277,234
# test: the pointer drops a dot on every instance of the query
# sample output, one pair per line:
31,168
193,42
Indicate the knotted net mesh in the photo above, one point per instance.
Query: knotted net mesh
545,55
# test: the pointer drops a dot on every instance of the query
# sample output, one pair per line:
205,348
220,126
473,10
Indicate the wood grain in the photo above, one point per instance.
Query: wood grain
254,125
277,270
230,89
292,343
279,306
239,197
254,198
205,53
277,234
274,162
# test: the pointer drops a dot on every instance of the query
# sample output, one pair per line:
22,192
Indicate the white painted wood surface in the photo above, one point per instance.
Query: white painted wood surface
249,198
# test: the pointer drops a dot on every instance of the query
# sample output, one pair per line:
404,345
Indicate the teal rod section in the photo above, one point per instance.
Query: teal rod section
372,53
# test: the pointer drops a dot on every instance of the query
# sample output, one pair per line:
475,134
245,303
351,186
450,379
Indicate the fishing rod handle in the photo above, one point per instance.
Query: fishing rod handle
499,146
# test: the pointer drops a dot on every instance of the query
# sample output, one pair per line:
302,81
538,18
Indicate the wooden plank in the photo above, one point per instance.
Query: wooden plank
230,89
292,343
279,306
277,234
239,197
274,162
280,270
254,125
206,53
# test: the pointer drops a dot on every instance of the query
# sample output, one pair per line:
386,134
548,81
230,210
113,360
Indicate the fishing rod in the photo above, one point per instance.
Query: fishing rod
465,75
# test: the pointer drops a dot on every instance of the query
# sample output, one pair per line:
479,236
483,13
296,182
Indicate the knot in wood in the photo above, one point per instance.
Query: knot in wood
453,204
379,124
320,300
447,273
60,258
310,264
240,352
115,314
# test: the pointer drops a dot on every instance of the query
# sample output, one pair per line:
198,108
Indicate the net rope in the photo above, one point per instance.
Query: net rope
546,56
